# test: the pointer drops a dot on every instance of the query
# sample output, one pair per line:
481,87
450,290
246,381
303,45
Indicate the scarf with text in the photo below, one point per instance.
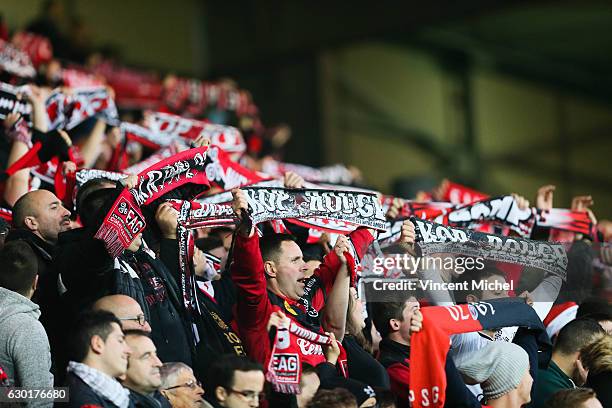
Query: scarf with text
459,194
15,61
10,103
435,238
225,173
125,221
195,97
169,126
84,175
267,203
337,174
498,213
285,366
429,347
37,47
67,111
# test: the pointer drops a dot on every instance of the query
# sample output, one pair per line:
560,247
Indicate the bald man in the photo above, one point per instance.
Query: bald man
38,218
126,309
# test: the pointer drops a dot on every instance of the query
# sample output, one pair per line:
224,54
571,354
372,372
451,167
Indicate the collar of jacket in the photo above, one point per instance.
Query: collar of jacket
45,249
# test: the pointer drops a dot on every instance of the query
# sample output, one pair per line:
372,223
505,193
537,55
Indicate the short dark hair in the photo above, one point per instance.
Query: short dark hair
270,245
88,324
18,267
89,187
474,275
96,205
594,306
221,372
575,335
571,398
336,398
382,312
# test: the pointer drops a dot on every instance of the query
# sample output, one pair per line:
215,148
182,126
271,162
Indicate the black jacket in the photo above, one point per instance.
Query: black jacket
89,273
362,366
80,394
149,401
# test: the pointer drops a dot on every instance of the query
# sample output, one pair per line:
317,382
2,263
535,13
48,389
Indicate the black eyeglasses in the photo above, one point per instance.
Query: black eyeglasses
140,319
193,384
250,395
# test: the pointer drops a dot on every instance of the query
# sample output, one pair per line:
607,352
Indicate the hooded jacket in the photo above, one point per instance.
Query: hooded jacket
24,347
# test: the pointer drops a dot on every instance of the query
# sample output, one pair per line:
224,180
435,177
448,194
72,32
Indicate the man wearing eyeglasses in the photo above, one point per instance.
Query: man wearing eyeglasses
180,386
143,377
126,309
235,382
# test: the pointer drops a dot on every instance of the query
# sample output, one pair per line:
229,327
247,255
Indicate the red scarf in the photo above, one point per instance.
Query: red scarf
429,347
125,221
171,126
285,366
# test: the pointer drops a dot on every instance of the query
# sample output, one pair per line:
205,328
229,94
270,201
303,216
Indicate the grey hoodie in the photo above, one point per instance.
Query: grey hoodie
24,347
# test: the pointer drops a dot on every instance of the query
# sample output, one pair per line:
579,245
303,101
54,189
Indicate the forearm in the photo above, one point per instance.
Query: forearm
336,306
18,184
39,117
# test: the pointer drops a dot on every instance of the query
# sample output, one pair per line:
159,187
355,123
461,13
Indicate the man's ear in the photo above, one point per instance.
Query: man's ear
220,394
270,269
97,344
394,324
30,223
471,298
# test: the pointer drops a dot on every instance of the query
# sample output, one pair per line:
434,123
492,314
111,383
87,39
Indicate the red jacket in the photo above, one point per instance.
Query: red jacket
255,304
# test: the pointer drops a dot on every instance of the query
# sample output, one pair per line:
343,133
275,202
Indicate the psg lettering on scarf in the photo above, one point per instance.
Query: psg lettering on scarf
274,203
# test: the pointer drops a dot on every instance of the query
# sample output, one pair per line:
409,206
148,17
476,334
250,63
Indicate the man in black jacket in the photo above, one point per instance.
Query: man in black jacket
99,355
90,273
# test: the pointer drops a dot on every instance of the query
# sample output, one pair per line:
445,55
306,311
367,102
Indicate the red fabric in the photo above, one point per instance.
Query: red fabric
459,194
557,310
253,308
428,350
399,376
30,159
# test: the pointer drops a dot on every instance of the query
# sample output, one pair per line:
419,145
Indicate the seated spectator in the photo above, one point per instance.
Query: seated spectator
24,347
502,370
396,321
336,398
126,309
180,387
565,370
597,359
574,398
143,377
235,382
99,356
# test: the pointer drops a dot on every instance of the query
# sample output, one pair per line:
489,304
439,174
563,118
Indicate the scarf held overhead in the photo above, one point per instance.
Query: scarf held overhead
435,238
125,220
276,203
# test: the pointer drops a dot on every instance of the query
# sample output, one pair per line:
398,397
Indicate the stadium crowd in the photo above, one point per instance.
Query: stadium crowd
149,258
